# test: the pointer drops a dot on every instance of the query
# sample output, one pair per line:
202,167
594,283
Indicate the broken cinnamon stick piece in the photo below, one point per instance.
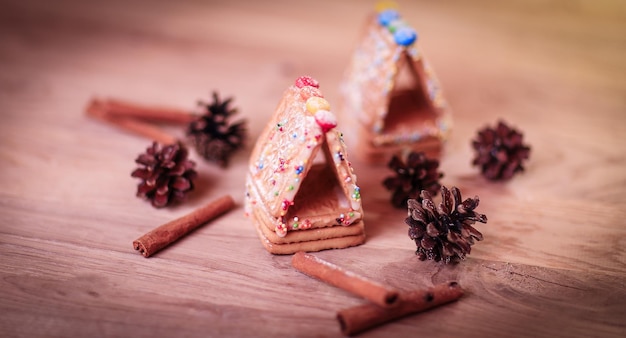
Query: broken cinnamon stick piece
97,109
120,108
360,318
158,238
336,276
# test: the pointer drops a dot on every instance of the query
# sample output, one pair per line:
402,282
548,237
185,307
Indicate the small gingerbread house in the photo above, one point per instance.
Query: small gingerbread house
390,94
301,191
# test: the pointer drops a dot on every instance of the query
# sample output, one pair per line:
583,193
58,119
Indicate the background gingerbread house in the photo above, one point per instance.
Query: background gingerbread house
390,94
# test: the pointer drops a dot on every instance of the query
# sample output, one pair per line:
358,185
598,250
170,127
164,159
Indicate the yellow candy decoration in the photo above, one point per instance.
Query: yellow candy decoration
383,5
314,103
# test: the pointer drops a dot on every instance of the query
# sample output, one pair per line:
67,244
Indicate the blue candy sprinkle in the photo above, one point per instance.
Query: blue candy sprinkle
405,36
386,16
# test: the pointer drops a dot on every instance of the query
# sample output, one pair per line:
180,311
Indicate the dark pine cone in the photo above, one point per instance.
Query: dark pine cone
500,152
445,232
211,133
166,176
417,174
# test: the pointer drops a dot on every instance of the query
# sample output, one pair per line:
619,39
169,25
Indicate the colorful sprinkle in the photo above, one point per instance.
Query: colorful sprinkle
299,170
386,16
396,25
405,36
307,224
303,81
340,219
356,195
281,165
339,155
286,204
281,230
314,103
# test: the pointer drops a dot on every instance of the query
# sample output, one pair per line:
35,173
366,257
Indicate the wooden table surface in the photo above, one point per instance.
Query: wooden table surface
552,262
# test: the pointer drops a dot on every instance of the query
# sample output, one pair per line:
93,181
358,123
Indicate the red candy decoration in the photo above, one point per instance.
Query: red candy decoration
326,120
303,81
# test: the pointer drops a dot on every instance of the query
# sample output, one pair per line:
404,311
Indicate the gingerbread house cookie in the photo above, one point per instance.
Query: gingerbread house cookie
301,191
390,94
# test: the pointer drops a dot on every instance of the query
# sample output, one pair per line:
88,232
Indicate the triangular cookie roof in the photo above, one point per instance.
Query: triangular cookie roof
284,153
372,74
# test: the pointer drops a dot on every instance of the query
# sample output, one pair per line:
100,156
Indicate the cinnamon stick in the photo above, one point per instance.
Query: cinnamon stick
336,276
97,109
158,238
360,318
122,108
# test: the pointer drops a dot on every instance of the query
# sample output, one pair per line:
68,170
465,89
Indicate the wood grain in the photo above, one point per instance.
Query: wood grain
552,262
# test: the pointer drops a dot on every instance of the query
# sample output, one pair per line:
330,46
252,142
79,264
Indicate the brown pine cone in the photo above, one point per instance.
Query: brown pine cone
212,134
500,152
166,174
444,232
415,174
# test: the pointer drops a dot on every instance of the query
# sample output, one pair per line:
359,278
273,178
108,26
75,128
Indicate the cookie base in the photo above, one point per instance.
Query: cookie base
311,245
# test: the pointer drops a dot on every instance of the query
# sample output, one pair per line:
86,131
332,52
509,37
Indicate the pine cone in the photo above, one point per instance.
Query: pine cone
445,232
213,136
417,174
500,152
166,176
